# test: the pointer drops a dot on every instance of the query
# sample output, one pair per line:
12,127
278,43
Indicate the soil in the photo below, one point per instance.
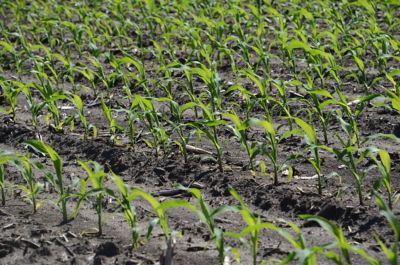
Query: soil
41,238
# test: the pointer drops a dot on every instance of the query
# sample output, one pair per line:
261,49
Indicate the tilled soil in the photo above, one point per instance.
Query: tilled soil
41,238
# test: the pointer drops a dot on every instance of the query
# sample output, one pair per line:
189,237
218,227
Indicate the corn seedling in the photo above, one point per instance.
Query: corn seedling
253,229
211,78
351,115
32,187
178,124
56,181
240,128
382,160
125,202
301,253
209,128
51,96
34,107
347,155
311,139
395,100
340,242
159,208
10,91
392,254
140,77
96,175
283,101
263,97
270,149
149,116
318,105
112,122
5,158
78,103
90,76
208,215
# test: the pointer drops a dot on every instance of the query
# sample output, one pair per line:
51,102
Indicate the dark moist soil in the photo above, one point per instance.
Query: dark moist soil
41,238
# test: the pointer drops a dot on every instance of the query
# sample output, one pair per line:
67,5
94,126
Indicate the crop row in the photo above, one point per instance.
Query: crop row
93,189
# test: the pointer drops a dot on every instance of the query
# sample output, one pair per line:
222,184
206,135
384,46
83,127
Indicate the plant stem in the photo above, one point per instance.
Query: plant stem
357,177
3,194
318,164
3,197
99,206
62,198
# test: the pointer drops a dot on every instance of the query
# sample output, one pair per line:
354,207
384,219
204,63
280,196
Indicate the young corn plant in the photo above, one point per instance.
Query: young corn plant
10,92
211,78
113,125
391,77
240,128
392,253
178,125
107,81
302,253
351,115
348,155
159,209
57,180
340,242
17,57
209,127
270,149
283,101
253,229
314,146
34,107
361,75
317,105
248,97
207,215
78,103
125,202
262,98
5,158
67,72
51,96
382,160
150,117
90,76
32,187
96,175
140,78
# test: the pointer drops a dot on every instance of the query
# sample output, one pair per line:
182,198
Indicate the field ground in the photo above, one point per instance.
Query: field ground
158,40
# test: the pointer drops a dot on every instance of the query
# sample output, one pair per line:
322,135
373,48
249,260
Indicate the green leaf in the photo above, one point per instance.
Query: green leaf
321,92
296,44
359,63
385,159
8,47
263,124
47,150
309,131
